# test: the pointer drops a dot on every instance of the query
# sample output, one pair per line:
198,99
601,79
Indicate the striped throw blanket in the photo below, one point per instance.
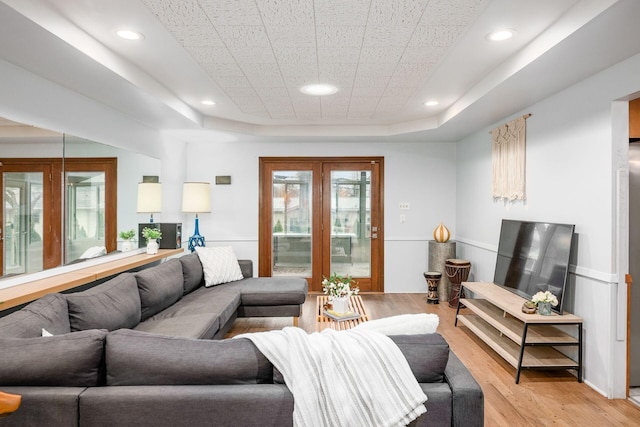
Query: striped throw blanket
348,378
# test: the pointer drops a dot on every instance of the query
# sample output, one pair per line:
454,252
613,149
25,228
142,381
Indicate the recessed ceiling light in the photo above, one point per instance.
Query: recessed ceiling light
208,102
500,35
431,103
129,35
319,89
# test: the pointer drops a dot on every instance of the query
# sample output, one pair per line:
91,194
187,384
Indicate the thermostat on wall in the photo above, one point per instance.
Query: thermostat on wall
223,180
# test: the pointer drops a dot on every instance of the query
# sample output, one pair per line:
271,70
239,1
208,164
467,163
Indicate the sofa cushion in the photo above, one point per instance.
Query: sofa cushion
246,266
49,312
111,305
137,358
427,355
220,265
52,308
159,287
192,274
196,326
218,301
69,360
273,290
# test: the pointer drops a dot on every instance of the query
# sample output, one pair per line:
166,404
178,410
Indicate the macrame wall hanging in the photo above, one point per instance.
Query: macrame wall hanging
508,159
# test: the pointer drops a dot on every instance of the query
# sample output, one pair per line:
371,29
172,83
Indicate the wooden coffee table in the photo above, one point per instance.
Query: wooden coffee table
355,304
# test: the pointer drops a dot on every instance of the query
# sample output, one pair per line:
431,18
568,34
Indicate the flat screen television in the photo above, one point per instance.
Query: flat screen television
533,257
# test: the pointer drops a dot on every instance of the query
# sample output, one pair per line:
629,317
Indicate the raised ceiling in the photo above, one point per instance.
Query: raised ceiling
387,58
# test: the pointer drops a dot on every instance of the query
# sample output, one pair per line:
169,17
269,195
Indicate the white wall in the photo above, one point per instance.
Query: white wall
422,174
32,100
570,179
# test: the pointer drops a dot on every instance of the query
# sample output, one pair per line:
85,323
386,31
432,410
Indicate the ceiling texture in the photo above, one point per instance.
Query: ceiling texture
251,57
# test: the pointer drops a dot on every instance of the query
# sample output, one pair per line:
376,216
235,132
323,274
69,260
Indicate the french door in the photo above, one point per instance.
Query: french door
320,216
90,206
30,211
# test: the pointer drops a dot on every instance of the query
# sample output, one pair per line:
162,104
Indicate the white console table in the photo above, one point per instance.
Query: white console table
523,340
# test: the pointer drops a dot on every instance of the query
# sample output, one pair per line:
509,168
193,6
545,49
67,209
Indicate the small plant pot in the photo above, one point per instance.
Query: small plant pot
544,308
152,247
341,305
127,246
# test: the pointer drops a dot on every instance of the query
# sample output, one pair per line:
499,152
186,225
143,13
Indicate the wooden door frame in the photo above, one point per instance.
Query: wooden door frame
265,225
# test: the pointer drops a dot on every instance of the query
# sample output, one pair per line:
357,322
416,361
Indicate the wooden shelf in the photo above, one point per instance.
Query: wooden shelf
534,357
523,340
30,291
512,304
513,328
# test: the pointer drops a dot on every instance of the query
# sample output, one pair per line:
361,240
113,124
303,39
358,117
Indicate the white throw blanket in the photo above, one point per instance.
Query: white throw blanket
403,324
348,378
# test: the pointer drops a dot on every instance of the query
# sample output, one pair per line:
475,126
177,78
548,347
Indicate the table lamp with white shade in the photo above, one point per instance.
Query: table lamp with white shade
196,198
149,198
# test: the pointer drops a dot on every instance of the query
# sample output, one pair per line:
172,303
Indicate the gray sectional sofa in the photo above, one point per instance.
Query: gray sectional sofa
167,299
111,362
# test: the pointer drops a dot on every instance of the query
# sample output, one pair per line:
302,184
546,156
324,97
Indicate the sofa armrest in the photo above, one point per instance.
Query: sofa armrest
468,398
246,265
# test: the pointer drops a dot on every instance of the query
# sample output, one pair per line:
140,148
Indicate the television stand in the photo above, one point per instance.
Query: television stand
523,340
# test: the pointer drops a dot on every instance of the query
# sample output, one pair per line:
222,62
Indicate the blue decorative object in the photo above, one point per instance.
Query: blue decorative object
196,198
196,240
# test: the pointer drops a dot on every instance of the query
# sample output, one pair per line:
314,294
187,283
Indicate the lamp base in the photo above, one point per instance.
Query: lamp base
195,241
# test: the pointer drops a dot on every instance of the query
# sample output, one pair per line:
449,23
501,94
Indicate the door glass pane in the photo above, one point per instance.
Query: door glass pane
22,222
291,219
351,220
85,215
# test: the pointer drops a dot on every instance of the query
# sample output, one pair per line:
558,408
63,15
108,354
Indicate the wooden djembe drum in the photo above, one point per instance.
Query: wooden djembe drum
433,280
457,271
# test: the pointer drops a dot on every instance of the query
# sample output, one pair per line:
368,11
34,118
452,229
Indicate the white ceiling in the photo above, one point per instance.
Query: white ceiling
387,57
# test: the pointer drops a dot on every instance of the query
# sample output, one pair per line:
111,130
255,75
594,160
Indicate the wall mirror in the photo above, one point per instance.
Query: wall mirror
64,198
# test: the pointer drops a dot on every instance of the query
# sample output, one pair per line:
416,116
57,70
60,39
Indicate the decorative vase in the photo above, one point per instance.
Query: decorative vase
441,234
340,305
544,308
127,246
152,247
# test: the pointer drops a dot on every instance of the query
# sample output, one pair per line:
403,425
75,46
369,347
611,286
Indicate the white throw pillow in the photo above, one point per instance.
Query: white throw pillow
403,324
46,333
219,264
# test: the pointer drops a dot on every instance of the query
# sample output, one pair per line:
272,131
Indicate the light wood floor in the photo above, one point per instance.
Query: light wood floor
543,398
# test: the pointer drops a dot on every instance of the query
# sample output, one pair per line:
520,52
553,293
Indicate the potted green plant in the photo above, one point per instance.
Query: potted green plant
127,237
152,235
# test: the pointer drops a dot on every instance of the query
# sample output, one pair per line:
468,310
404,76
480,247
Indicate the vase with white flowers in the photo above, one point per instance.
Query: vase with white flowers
545,300
338,289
